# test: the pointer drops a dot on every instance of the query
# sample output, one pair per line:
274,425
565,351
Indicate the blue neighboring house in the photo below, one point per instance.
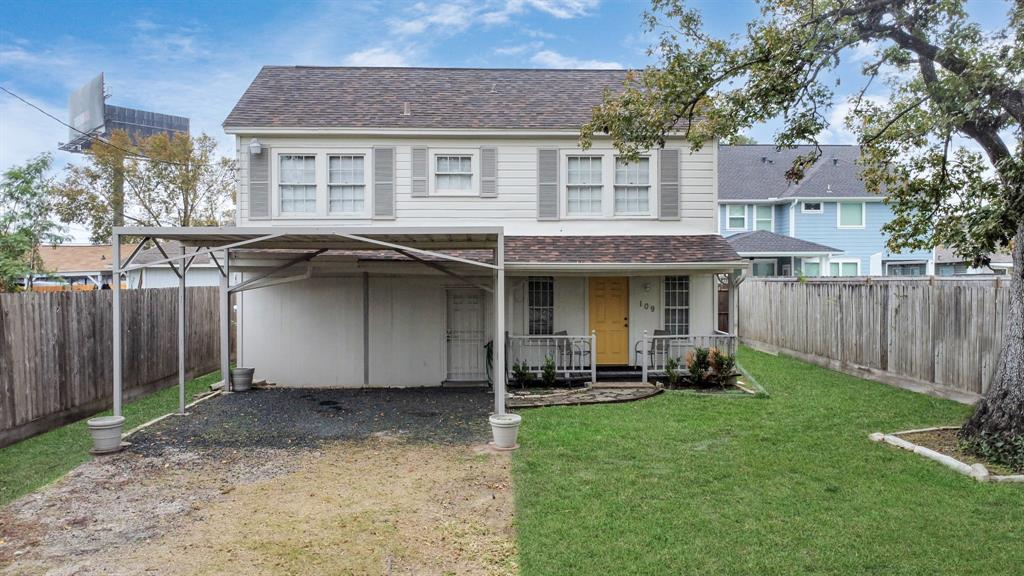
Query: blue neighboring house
828,224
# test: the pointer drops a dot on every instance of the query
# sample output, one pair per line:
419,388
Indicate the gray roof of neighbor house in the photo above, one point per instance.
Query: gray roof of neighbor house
945,255
437,98
758,172
172,247
764,242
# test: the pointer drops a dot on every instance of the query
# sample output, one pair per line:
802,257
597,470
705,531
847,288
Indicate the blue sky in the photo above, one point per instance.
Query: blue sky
195,59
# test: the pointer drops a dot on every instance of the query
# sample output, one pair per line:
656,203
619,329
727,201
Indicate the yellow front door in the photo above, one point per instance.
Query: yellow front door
609,317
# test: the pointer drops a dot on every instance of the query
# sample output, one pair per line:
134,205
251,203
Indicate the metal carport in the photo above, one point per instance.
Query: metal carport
425,245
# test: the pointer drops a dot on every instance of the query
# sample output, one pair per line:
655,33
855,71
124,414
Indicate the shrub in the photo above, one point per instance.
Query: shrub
724,366
548,374
1001,449
521,374
698,364
672,372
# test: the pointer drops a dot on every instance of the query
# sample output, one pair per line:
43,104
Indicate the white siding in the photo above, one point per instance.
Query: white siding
515,206
162,277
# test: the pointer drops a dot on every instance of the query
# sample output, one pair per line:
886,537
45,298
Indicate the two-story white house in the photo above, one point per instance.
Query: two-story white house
398,220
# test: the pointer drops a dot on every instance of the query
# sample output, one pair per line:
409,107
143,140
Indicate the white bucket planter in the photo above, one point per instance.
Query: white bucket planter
106,434
505,428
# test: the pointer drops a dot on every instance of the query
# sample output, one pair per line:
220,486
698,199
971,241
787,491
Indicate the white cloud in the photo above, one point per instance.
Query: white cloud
518,49
552,59
447,19
379,56
562,9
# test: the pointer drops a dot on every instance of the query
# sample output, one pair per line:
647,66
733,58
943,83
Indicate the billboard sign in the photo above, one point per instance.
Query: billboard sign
86,109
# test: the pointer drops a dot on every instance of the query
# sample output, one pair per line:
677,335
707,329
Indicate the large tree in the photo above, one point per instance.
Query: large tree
27,221
157,181
938,112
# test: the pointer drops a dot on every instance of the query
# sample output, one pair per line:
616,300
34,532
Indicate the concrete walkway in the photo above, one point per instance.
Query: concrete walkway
602,393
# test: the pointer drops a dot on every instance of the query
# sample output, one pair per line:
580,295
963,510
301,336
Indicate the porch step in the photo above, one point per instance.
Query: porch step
620,374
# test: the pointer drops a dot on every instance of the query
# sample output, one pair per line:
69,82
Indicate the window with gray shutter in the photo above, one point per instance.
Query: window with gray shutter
668,184
384,183
419,171
489,172
547,184
259,184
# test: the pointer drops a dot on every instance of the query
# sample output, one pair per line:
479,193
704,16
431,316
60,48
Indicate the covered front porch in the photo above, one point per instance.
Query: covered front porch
614,307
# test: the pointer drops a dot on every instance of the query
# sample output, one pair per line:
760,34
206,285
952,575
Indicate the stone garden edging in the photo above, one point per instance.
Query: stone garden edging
976,471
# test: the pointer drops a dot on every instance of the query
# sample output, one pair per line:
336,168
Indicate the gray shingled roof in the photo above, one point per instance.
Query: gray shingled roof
172,247
945,255
758,172
469,98
762,241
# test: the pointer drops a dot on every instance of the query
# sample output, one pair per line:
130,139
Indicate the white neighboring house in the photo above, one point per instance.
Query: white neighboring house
597,252
202,271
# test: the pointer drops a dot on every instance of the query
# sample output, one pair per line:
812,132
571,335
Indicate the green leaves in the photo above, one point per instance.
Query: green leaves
940,98
27,219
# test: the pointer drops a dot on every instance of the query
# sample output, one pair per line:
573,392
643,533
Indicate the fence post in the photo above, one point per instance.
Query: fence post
643,355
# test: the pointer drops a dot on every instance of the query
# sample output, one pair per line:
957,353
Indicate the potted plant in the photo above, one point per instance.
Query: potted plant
505,430
106,434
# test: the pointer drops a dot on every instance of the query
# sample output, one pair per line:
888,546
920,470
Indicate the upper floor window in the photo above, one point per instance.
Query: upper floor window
297,183
541,304
736,217
677,305
454,172
633,187
851,215
811,207
346,184
584,186
763,216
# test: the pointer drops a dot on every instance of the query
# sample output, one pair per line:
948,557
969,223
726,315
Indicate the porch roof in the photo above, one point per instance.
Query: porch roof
689,251
765,243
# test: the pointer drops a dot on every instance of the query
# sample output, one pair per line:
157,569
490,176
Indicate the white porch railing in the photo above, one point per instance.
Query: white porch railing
656,350
573,355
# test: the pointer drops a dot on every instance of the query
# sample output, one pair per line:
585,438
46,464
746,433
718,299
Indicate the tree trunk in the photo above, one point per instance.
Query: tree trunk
1001,412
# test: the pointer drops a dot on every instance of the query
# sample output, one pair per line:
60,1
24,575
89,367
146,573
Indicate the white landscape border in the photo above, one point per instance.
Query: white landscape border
976,471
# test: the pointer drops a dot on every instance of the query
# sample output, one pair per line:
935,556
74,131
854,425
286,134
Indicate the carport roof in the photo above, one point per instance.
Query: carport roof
327,237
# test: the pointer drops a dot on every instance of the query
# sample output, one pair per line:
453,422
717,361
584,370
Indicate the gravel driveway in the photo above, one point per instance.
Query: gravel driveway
282,481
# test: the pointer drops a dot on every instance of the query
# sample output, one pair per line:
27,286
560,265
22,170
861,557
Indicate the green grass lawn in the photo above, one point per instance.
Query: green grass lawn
42,459
688,484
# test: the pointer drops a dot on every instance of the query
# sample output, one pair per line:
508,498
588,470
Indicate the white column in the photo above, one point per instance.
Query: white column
115,286
181,332
499,327
734,307
225,325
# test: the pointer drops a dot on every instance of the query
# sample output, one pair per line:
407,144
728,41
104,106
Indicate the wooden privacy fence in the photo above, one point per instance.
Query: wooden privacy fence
56,359
933,334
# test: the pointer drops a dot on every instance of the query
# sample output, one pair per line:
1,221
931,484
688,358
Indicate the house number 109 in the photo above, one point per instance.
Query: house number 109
647,306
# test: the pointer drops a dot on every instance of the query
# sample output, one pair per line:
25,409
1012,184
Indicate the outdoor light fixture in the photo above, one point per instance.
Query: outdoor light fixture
255,147
647,286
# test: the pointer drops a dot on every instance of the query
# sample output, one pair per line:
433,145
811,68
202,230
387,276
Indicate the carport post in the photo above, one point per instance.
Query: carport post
499,326
225,324
181,332
115,287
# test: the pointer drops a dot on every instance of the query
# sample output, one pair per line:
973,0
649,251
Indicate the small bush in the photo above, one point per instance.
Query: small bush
548,374
724,366
998,448
698,363
672,372
521,374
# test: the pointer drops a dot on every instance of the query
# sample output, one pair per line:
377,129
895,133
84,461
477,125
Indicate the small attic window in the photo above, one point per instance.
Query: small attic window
811,207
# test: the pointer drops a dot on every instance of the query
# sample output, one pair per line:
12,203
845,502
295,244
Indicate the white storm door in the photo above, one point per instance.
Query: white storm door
465,336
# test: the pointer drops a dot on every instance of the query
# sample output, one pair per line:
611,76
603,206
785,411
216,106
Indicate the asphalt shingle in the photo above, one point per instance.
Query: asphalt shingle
763,241
758,172
438,98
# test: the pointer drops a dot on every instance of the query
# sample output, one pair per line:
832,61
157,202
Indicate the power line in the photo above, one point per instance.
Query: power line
134,154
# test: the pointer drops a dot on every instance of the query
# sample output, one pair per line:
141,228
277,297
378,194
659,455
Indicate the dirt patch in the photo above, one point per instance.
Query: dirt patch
945,442
380,506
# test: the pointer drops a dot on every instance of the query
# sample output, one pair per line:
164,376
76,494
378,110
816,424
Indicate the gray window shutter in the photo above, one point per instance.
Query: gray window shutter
489,172
668,184
547,184
419,171
259,184
384,183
